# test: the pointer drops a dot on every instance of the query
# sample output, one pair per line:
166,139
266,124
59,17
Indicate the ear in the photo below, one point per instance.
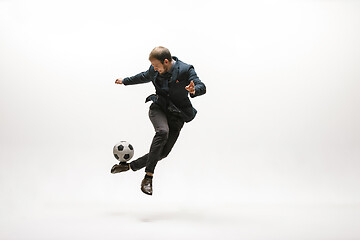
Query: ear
166,61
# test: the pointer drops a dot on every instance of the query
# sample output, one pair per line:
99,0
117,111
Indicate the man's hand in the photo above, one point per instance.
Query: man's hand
119,81
191,87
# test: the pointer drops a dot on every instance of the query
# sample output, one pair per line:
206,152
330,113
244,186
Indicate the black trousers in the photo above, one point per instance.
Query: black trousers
167,129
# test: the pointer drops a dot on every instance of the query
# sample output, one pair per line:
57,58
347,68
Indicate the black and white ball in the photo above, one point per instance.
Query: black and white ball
123,151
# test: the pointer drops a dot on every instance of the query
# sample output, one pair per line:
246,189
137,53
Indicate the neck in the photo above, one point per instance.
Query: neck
170,66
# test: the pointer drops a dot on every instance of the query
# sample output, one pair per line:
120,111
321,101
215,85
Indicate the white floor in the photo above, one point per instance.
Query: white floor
71,197
148,219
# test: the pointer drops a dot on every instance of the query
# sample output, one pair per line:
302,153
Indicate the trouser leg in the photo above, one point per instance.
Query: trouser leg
175,126
167,130
159,120
139,163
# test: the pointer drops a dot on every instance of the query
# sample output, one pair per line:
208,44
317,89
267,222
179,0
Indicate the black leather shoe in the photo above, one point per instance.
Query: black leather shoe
122,167
146,186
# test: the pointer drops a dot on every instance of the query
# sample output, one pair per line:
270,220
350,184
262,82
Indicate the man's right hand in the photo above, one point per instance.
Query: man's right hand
119,81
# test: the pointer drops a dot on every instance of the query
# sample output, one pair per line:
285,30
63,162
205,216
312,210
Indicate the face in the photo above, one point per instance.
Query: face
159,67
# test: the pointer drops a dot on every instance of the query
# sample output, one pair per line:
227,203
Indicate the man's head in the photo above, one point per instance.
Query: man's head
161,60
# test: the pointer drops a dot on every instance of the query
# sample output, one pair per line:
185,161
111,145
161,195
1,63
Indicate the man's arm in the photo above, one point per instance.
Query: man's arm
196,87
143,77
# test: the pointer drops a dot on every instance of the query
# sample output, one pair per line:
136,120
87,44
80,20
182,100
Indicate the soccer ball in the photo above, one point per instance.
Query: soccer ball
123,151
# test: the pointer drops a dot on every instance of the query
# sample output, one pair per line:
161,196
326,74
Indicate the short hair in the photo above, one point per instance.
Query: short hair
160,53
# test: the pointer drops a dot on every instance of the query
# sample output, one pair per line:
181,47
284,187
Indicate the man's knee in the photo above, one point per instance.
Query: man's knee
163,134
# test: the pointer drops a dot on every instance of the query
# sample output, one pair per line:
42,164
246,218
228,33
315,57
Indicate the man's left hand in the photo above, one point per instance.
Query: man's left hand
191,87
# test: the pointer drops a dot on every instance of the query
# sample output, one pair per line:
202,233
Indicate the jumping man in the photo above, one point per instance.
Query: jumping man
174,82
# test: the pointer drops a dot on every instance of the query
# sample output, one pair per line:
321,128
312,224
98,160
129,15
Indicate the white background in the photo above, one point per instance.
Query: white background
275,144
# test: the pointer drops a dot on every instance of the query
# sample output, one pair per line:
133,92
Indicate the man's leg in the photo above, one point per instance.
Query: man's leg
160,123
139,163
175,126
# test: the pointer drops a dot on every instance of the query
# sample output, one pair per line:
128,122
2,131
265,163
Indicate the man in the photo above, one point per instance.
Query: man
174,81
